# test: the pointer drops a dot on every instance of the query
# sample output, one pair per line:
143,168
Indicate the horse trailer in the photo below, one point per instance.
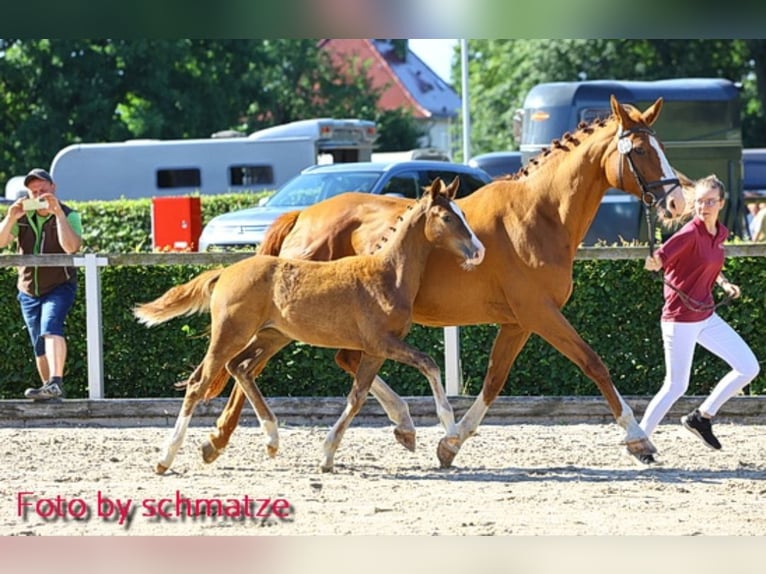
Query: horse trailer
157,168
700,127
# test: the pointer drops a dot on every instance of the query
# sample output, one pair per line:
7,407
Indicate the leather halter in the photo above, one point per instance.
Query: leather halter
649,196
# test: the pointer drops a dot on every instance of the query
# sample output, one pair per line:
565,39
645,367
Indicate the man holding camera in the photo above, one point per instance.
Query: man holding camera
41,224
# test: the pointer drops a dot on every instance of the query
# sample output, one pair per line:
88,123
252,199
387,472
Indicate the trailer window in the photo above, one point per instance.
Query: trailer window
251,175
189,177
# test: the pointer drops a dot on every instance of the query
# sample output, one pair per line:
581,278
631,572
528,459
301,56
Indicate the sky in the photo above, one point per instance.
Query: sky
437,54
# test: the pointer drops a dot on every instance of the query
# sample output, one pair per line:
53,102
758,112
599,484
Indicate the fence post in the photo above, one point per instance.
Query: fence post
453,373
94,332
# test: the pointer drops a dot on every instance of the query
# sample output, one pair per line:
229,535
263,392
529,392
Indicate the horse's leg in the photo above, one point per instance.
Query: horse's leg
508,343
247,365
397,410
554,328
367,368
196,386
225,424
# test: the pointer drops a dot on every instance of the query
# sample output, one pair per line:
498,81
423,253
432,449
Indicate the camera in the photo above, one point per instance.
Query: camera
34,204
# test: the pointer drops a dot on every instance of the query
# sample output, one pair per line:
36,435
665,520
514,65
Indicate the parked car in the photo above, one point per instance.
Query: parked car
498,163
246,227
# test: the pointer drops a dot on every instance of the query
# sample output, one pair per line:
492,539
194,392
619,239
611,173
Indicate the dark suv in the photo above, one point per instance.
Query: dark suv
246,227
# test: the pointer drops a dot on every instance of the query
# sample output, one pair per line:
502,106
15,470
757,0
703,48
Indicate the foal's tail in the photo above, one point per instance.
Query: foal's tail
187,299
276,233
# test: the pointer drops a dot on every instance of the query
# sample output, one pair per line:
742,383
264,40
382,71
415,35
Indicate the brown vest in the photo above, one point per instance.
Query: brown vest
37,281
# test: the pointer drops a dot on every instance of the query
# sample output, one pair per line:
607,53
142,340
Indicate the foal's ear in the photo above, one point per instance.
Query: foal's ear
435,188
452,188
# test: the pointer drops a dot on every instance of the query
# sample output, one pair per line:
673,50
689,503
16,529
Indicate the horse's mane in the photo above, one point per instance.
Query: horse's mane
392,229
560,145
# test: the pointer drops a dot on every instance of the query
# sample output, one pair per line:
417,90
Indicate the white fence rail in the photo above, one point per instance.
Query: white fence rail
92,262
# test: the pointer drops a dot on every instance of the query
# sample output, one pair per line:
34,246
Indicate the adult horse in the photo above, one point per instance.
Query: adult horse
531,226
262,303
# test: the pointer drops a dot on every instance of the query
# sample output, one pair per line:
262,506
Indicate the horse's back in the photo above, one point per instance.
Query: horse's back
340,226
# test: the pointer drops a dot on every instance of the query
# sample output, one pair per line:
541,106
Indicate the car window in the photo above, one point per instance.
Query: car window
403,185
310,188
468,182
349,182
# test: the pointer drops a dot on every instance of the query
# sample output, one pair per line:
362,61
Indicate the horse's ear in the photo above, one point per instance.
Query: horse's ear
435,188
653,112
619,111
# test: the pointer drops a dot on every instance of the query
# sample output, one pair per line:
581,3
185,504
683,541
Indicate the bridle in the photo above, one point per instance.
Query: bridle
651,198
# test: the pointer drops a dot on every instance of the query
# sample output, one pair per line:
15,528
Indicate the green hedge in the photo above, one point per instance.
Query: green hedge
615,307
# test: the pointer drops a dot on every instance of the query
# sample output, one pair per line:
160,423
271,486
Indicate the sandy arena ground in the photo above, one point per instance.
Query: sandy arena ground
508,479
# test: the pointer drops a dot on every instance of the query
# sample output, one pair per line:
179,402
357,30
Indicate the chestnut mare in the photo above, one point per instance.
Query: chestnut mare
262,303
531,225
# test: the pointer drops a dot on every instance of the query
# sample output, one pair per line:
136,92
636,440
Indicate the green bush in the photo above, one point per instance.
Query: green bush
615,308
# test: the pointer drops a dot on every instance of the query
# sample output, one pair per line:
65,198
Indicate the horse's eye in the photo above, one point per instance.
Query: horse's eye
639,151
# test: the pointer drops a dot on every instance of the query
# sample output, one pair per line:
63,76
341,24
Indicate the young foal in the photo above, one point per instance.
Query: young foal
262,303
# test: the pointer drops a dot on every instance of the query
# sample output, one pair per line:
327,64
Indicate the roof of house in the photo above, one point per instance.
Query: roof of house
407,83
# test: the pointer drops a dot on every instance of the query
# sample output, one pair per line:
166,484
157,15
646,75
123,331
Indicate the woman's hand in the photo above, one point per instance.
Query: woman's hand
731,289
653,263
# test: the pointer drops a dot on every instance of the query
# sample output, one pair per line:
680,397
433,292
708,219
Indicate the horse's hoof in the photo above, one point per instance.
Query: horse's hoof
209,452
160,468
640,447
447,449
326,468
271,450
406,438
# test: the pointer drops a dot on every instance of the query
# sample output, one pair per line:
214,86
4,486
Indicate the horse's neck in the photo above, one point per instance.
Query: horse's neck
576,180
406,252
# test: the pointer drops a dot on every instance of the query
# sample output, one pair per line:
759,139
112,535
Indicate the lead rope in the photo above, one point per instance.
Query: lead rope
689,302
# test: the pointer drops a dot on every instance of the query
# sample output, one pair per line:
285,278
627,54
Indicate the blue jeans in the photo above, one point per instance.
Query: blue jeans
45,315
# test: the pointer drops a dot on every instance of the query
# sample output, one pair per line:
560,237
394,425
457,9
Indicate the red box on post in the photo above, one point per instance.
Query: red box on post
176,223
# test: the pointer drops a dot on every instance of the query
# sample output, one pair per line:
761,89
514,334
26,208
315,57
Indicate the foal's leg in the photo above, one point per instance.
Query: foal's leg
366,369
247,365
397,410
400,351
195,389
264,349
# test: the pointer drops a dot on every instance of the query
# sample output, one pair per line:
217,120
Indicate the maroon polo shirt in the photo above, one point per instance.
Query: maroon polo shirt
691,260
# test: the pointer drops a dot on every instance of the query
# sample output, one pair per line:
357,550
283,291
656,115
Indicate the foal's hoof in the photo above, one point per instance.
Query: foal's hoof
160,468
271,450
406,438
640,447
447,449
326,467
209,452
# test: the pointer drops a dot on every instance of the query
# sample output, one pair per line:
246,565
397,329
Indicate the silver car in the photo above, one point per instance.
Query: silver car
245,228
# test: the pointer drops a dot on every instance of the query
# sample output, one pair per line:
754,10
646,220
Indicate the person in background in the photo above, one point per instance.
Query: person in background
692,260
41,224
752,211
758,224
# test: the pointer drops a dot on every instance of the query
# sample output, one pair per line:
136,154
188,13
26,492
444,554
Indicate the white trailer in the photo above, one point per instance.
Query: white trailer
155,168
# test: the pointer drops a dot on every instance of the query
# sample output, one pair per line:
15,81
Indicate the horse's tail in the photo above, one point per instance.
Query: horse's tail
189,298
276,233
